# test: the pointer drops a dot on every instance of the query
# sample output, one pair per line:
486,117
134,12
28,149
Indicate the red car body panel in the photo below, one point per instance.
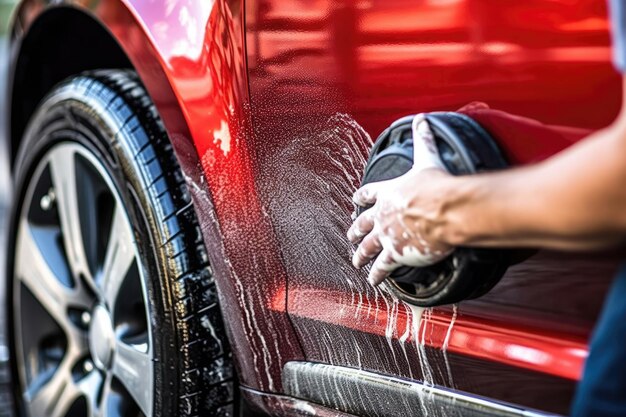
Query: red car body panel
194,69
543,66
271,105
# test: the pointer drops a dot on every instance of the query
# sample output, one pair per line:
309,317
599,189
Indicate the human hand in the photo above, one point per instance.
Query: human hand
403,224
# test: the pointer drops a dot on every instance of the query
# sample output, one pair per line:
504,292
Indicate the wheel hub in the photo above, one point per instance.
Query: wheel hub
101,338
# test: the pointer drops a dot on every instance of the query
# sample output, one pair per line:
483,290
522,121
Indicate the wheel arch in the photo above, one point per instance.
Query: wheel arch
47,55
51,43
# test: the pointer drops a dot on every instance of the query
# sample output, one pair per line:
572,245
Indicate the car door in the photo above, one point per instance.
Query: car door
327,76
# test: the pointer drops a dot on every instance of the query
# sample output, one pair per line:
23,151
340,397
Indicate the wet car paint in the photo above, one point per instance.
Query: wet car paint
271,106
543,67
198,85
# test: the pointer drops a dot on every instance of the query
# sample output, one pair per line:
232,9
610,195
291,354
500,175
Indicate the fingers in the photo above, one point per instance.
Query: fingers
366,195
474,106
361,226
367,250
383,266
425,153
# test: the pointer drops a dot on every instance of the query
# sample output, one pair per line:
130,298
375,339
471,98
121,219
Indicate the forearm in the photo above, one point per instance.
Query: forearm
575,200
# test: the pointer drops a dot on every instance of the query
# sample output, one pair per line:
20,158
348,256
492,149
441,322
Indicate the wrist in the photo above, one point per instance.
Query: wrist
464,212
440,207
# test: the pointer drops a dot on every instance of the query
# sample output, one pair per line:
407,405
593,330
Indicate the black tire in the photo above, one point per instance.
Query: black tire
110,114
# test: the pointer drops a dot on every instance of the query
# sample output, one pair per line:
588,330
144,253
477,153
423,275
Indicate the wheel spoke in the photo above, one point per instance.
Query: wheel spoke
120,255
106,392
63,170
134,370
53,397
33,270
89,385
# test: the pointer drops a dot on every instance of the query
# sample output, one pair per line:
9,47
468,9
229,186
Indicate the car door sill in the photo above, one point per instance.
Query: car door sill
366,393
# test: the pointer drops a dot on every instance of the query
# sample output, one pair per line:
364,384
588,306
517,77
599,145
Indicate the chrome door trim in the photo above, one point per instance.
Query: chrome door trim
366,393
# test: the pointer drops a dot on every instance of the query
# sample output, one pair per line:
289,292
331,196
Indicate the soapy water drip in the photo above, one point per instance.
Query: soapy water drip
446,343
250,318
307,186
416,319
264,349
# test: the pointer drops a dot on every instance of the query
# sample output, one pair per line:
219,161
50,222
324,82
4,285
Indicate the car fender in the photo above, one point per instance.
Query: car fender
190,55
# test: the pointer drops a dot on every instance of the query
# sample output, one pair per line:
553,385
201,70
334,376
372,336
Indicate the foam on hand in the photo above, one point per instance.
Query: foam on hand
425,154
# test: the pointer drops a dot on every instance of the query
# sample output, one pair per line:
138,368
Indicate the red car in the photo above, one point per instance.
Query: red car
183,172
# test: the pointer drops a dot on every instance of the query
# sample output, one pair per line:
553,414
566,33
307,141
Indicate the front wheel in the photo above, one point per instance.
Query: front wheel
112,307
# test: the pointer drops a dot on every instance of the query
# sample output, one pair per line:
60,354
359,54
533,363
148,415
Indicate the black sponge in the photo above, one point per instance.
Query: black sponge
465,148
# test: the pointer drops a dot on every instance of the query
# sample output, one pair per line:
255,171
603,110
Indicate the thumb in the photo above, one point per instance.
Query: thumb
425,152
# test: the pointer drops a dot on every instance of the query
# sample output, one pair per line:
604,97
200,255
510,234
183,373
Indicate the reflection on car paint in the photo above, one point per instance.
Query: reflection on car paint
361,65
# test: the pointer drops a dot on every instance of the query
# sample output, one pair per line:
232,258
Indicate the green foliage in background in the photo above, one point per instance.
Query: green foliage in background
6,8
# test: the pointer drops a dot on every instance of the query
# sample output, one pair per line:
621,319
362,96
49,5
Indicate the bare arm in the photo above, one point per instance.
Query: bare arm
575,200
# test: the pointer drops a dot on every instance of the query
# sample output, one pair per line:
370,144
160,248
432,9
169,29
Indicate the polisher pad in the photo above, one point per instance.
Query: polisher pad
464,148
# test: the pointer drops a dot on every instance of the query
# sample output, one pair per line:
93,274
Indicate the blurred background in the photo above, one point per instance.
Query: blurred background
6,8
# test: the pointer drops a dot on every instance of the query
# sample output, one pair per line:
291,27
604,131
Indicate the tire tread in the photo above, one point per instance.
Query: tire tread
196,306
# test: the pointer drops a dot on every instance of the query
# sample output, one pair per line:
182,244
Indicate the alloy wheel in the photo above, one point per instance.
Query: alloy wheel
82,324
